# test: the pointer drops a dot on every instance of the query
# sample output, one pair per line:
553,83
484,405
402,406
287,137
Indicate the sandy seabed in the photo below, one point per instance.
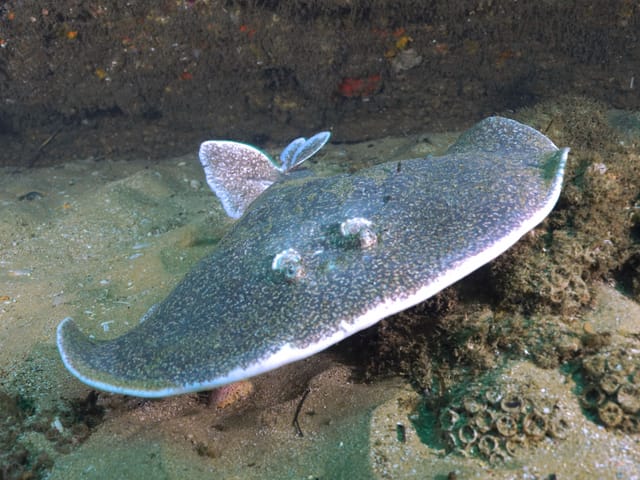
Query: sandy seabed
103,240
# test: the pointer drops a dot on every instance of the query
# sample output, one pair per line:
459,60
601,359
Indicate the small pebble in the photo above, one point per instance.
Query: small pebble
19,273
57,424
30,196
105,325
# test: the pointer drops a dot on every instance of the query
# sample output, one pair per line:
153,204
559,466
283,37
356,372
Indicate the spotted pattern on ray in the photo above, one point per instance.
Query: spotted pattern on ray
434,220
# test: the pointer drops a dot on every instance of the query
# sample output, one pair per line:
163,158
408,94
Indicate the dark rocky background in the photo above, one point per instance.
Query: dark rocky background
148,79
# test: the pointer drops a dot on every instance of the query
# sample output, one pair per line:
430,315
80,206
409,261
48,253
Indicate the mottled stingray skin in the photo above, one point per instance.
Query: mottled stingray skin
436,220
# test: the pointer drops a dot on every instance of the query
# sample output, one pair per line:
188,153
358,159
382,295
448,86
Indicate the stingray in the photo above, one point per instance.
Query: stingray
313,260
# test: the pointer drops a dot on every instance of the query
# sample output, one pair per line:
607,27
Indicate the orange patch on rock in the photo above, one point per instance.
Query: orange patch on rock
231,394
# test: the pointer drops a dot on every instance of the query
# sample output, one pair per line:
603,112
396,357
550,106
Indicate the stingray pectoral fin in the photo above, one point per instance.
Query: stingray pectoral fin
237,173
85,359
129,368
75,347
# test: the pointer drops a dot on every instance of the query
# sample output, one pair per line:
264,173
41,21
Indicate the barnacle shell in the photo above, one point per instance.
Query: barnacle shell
467,434
506,425
534,424
452,439
488,444
629,364
629,398
493,396
497,457
472,405
593,396
611,414
512,443
448,419
595,366
610,383
512,403
463,452
483,421
613,360
559,427
630,424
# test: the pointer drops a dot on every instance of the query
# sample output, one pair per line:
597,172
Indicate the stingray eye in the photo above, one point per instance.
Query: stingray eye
289,264
360,228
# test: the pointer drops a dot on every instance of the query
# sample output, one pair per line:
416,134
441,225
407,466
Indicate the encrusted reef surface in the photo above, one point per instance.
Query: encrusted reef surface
611,389
514,372
528,424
